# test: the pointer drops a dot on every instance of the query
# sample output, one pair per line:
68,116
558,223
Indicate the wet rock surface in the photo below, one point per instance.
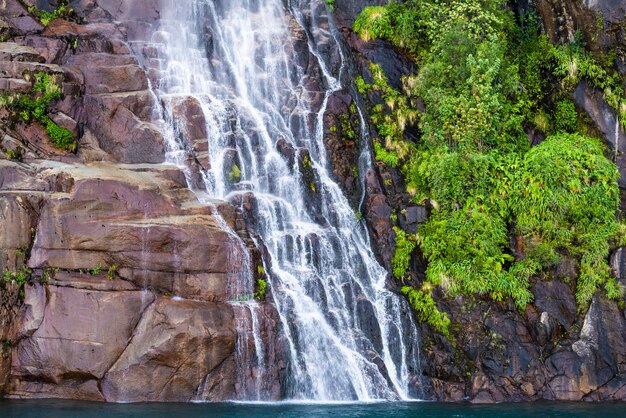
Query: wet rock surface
601,22
551,350
111,236
129,277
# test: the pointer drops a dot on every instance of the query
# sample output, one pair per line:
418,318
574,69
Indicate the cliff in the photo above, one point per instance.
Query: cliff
551,349
85,233
98,237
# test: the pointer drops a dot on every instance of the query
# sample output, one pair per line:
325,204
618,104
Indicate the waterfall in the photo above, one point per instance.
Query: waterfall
244,85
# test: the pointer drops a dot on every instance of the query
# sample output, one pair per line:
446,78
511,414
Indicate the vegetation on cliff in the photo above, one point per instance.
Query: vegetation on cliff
502,211
34,106
62,11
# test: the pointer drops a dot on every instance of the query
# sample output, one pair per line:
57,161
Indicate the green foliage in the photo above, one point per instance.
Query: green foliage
63,11
483,77
426,309
261,286
235,174
112,271
404,247
96,270
469,101
306,162
14,154
567,203
417,25
565,116
20,277
331,5
388,157
61,137
33,106
361,85
374,22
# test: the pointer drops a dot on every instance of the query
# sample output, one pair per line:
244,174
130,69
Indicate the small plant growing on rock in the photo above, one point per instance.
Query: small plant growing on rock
235,174
260,293
34,106
63,11
112,272
14,154
20,277
96,270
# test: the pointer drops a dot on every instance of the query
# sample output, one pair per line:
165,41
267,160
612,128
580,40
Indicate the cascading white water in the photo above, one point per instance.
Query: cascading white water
257,71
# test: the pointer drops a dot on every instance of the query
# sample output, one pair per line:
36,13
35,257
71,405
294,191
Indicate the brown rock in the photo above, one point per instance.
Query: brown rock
81,335
189,117
11,51
124,136
17,220
113,79
16,176
176,345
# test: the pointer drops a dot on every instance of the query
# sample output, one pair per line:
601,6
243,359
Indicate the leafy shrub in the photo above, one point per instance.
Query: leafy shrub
567,202
63,11
565,116
235,174
33,106
483,77
426,309
404,247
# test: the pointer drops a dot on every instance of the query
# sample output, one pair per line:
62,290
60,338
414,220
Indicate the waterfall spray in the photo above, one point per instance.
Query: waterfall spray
257,70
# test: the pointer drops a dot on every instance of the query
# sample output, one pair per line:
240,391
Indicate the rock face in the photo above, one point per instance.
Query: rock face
129,276
551,350
601,22
111,245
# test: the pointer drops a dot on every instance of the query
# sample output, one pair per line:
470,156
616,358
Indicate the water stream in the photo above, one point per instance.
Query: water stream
259,75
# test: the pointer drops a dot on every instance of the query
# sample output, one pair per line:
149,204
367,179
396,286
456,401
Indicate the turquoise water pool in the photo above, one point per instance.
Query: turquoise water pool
57,408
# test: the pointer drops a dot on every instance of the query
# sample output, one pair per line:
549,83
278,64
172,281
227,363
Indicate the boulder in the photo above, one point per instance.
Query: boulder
176,345
80,335
18,218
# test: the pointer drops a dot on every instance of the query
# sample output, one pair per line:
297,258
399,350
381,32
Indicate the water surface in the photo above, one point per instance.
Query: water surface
59,408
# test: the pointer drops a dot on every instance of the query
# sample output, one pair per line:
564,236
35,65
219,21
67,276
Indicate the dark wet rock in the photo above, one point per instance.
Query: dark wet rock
366,317
601,23
341,138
